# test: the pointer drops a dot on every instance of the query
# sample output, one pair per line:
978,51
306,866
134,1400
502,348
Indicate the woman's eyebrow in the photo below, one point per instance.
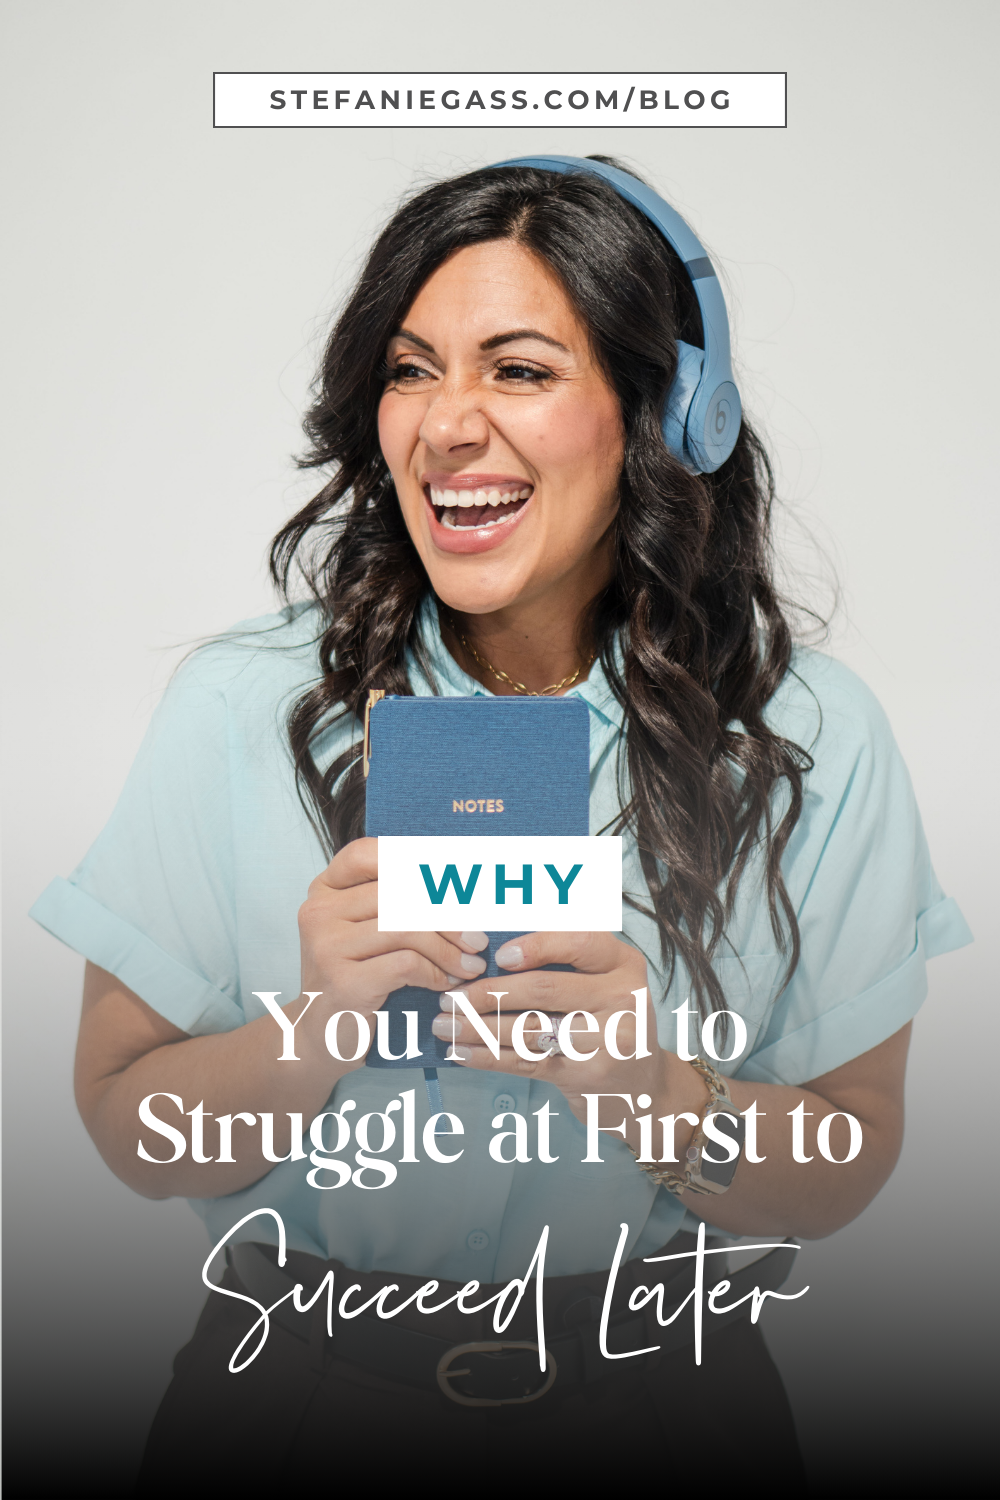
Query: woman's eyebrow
404,333
521,333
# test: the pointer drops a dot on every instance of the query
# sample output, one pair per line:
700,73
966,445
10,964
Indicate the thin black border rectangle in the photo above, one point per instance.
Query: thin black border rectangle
497,73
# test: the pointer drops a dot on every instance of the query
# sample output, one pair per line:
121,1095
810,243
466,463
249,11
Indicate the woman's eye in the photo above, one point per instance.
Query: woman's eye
405,371
523,374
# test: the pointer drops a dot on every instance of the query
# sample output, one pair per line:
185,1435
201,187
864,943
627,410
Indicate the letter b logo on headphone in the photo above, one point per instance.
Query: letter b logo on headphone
722,424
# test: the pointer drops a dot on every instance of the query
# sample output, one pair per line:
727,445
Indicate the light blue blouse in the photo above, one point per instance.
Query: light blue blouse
190,896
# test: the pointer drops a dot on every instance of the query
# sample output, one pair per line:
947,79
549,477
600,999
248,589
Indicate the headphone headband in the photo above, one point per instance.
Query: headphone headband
702,412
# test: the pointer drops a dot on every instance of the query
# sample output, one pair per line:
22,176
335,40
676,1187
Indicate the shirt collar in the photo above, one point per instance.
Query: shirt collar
449,680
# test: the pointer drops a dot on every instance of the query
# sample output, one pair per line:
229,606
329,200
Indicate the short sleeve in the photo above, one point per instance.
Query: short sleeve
153,900
858,871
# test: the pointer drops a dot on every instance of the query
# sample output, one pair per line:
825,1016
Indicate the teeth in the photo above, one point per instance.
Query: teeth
469,498
449,520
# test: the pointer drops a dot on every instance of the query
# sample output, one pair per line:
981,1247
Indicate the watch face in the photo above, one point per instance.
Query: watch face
717,1174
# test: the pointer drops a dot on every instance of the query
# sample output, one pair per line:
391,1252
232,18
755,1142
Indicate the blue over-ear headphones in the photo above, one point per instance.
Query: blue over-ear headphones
701,419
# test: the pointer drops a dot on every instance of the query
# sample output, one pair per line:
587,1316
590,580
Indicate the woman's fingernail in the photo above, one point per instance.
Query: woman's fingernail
446,1002
472,964
446,1027
475,940
463,1054
451,980
510,955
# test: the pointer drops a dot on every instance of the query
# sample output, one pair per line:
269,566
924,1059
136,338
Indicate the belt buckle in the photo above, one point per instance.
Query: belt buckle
445,1374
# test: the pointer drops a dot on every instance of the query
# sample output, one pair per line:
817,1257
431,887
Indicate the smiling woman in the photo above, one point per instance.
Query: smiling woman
623,552
506,512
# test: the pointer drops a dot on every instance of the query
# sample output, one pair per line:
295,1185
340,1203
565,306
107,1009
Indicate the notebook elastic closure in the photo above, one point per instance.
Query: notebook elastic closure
374,694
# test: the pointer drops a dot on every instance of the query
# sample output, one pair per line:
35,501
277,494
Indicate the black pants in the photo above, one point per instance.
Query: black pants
299,1415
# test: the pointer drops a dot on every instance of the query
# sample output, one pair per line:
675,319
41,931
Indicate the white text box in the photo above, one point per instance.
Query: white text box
443,884
401,101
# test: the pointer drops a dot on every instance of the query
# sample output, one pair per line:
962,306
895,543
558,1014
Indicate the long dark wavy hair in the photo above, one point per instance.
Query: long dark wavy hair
702,637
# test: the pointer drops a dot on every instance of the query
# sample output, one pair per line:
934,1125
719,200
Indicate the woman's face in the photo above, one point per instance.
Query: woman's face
502,434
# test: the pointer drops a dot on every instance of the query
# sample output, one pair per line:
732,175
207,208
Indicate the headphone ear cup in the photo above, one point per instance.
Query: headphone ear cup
700,427
713,425
677,406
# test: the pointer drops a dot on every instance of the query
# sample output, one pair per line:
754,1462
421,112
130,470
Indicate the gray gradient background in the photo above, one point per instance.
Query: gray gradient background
168,288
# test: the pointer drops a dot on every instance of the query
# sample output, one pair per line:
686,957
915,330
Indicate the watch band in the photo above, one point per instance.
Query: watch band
719,1174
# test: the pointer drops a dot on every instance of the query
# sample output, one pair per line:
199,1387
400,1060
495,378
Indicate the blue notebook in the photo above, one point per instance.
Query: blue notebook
515,766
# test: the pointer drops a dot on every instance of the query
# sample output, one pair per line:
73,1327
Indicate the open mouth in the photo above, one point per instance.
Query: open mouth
479,509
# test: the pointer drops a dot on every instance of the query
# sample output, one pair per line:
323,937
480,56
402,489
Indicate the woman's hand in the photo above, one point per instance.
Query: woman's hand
352,964
608,972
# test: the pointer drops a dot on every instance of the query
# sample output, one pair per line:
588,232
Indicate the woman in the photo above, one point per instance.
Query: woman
511,342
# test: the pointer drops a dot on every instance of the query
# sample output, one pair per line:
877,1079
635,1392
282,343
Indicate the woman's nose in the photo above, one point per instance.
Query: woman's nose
455,419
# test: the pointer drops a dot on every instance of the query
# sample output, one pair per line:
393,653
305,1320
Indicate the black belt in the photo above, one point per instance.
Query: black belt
500,1372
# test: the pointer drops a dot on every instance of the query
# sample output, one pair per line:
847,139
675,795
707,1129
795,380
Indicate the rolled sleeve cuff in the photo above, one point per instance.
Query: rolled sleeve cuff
860,1024
186,999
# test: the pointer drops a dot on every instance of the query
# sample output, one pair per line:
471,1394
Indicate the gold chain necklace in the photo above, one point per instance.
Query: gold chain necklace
519,687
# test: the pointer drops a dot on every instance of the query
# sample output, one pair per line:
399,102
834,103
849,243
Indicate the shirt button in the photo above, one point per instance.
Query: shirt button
478,1239
505,1102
